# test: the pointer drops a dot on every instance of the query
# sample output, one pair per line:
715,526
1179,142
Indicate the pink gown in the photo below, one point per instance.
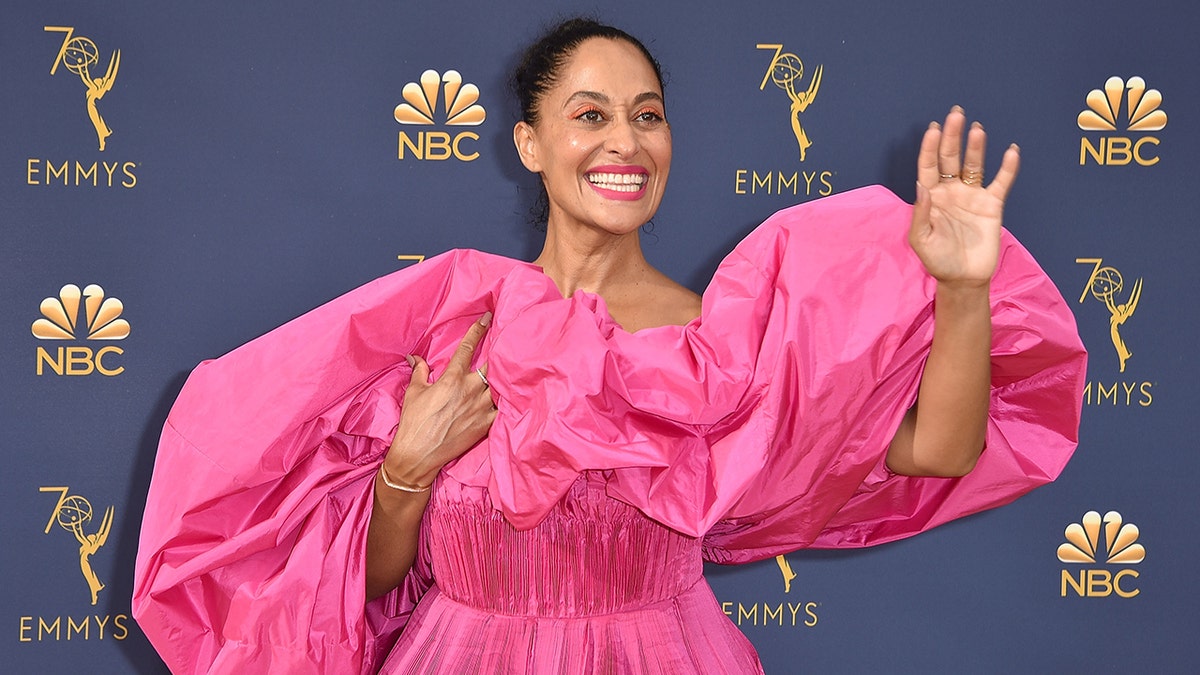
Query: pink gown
571,538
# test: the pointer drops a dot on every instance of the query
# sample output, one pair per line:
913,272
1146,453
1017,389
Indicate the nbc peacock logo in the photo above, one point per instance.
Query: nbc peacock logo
1083,546
1142,114
460,106
61,320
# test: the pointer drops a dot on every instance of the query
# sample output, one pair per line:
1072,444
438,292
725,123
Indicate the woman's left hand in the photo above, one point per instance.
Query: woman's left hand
956,219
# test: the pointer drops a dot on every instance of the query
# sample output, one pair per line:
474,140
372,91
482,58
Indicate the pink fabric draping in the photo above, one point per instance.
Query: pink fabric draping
760,426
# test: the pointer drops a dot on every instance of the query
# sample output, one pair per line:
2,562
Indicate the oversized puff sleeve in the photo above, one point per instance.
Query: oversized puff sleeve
856,323
251,555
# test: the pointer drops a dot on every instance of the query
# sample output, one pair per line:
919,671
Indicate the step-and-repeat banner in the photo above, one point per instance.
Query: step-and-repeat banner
178,178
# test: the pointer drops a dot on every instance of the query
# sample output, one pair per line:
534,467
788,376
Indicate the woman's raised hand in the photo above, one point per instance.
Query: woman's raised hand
443,419
956,219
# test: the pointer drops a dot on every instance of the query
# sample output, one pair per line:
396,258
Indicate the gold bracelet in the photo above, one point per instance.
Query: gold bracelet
400,486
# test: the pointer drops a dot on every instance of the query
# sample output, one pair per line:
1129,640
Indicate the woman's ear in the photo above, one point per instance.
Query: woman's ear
526,142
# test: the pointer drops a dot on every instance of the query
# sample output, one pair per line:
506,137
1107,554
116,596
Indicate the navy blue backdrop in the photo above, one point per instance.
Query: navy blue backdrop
253,167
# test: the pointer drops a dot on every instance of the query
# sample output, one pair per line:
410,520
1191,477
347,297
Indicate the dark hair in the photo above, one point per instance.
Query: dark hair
543,60
539,69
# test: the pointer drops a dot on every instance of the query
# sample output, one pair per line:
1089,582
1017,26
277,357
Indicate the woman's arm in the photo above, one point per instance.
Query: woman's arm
943,433
956,234
438,422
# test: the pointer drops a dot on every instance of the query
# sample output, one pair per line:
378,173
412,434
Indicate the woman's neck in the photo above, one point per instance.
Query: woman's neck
595,262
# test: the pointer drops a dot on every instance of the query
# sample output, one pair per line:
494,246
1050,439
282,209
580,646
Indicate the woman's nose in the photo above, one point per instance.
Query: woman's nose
622,138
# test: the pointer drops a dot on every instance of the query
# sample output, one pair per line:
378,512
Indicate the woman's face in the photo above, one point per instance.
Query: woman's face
601,143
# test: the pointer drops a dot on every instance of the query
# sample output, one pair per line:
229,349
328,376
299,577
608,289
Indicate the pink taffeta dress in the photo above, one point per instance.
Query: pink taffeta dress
571,539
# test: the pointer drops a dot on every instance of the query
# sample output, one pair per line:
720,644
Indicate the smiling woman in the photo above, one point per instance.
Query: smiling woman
599,138
479,465
601,127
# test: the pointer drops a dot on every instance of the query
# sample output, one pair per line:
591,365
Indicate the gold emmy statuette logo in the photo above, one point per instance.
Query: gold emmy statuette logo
786,570
461,108
1103,114
60,320
771,609
785,70
79,54
72,513
1105,284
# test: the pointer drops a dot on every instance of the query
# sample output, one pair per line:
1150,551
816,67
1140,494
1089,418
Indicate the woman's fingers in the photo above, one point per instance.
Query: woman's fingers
466,348
927,157
442,419
972,163
481,371
420,369
1007,173
950,144
942,158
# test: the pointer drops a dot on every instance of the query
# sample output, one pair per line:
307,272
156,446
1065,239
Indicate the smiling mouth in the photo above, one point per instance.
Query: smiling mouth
618,182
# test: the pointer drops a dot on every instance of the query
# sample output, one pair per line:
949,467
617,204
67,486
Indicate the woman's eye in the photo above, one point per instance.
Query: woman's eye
591,116
649,117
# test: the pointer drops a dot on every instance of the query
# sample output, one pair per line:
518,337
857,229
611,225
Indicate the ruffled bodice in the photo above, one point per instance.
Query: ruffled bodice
758,428
590,555
594,587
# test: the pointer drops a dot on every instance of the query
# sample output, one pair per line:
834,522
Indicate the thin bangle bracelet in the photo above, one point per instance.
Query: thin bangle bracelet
400,486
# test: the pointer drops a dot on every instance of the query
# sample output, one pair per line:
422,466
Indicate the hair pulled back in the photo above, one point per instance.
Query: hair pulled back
542,62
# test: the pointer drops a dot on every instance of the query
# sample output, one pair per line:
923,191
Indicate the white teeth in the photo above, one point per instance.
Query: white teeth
620,182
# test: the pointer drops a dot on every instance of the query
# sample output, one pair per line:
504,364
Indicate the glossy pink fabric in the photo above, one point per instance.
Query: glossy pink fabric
756,429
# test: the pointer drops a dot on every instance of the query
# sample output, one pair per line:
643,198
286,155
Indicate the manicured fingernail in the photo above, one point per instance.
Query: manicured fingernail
412,363
1016,147
976,125
957,109
486,319
934,125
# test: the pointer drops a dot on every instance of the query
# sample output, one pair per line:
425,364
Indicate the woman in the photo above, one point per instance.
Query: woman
556,476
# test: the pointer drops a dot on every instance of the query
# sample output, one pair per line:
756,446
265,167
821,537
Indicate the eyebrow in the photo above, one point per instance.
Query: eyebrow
601,98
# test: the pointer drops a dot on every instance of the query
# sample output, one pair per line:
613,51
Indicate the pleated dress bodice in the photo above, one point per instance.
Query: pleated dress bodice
595,587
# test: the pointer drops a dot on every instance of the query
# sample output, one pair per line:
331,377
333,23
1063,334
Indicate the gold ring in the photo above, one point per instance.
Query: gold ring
948,176
479,372
972,177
